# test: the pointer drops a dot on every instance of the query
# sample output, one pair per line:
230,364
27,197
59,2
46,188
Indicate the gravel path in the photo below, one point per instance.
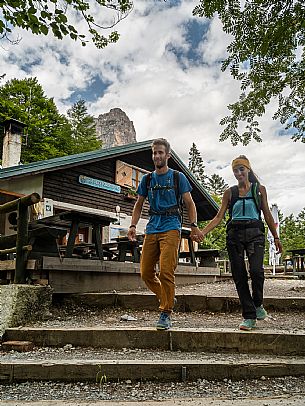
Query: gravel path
68,352
272,288
127,391
75,316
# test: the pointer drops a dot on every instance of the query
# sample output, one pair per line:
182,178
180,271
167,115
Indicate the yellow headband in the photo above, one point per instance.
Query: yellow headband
241,161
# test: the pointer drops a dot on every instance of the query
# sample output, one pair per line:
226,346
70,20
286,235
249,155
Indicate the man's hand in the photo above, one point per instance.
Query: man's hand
196,234
132,234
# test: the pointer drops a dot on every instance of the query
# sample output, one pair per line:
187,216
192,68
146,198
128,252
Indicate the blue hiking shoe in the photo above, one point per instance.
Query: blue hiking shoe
261,313
164,322
247,324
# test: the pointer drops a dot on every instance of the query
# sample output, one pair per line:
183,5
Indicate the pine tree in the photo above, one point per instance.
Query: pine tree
83,128
216,185
196,165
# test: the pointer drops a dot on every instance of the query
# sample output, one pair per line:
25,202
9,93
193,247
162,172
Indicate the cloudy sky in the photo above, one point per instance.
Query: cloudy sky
165,74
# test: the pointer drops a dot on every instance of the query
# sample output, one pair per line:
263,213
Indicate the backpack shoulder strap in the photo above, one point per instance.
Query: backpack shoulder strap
148,180
178,195
256,194
234,197
176,185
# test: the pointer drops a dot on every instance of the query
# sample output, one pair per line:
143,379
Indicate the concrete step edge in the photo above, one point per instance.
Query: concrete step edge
105,370
185,302
280,343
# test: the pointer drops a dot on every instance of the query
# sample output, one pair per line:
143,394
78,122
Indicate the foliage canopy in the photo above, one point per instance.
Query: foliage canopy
267,56
56,17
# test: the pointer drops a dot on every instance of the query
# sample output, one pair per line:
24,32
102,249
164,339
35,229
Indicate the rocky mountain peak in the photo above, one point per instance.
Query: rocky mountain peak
115,128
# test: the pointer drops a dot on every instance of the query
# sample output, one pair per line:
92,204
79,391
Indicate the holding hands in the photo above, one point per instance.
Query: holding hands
196,234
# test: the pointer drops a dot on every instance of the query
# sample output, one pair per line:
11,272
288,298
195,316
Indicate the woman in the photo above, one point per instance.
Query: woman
246,234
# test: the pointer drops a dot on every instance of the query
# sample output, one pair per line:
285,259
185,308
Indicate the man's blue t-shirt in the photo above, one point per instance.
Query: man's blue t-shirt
161,199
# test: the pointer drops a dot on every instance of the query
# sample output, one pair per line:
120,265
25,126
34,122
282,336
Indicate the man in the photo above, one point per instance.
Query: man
162,235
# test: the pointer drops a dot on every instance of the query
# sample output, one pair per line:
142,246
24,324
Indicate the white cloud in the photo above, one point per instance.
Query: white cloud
163,92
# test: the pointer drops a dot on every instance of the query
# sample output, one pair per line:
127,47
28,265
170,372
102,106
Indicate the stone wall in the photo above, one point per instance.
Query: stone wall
115,128
20,304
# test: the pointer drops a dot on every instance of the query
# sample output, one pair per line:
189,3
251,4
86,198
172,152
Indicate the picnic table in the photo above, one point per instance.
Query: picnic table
72,220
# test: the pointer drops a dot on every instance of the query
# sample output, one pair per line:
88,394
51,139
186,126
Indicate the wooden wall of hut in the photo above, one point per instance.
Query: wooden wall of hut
64,186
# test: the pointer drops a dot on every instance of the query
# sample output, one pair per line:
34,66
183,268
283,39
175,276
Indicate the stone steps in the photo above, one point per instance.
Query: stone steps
186,302
190,339
267,352
102,371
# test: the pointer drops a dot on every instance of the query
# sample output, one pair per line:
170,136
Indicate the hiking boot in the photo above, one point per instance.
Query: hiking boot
247,324
261,313
164,322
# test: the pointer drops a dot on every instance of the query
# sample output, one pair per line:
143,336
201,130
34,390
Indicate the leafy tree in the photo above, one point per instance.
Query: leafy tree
54,16
292,232
24,100
267,56
49,133
196,165
216,239
216,185
83,128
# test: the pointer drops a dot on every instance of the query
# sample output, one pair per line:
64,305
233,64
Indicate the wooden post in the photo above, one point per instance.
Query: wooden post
72,237
96,231
7,242
22,240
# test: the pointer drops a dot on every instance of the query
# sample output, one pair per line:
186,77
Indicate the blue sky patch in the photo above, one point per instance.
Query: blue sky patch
194,33
93,91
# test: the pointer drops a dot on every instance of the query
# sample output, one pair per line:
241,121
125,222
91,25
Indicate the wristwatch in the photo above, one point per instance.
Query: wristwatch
194,225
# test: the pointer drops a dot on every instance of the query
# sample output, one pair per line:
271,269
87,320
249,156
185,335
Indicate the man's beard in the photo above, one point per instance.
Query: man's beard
160,164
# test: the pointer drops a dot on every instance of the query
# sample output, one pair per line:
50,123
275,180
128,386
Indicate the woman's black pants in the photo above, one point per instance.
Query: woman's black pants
247,237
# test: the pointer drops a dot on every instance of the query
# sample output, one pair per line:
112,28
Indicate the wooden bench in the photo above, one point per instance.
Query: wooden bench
298,261
124,250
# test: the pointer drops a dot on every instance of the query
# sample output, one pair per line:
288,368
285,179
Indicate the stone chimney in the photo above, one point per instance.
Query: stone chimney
115,128
13,132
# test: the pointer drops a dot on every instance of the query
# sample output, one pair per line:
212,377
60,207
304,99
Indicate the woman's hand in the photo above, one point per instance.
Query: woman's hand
278,245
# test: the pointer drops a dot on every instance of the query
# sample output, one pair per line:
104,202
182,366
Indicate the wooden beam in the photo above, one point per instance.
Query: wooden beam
9,193
14,249
24,201
9,265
